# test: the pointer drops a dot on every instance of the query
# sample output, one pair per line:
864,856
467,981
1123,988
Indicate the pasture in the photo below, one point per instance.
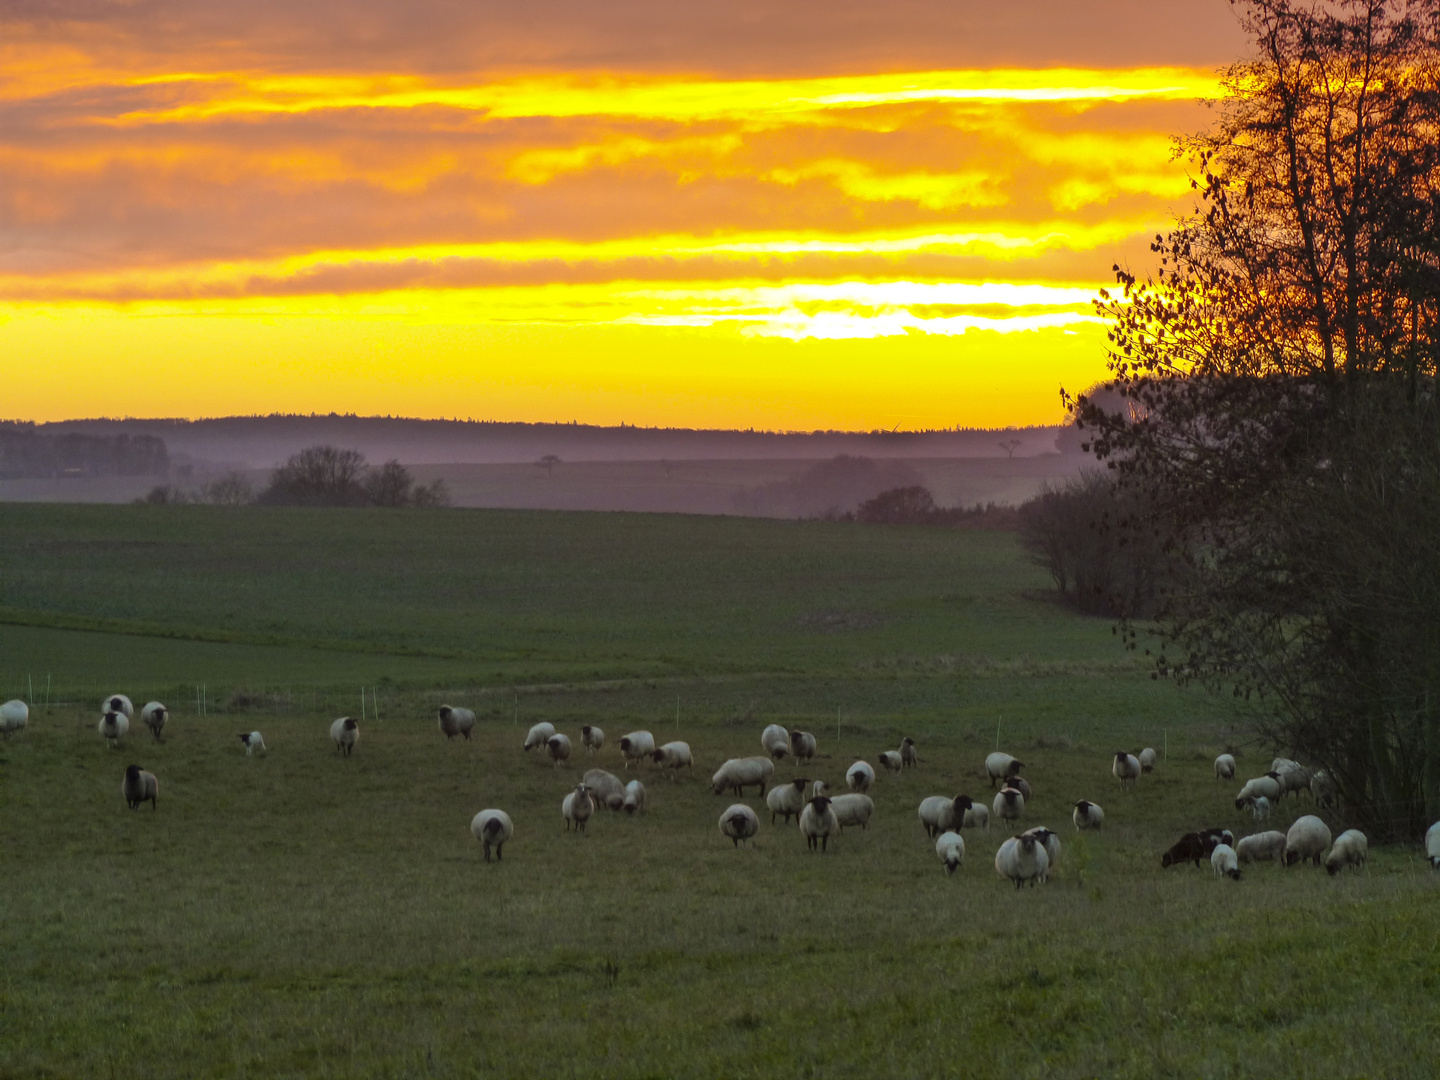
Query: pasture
302,914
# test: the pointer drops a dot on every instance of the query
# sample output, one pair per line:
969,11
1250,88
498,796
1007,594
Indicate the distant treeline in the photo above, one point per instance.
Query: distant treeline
26,453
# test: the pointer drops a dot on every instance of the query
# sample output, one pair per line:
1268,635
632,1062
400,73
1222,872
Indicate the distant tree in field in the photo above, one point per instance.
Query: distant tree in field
548,463
912,505
232,489
164,495
321,475
1010,446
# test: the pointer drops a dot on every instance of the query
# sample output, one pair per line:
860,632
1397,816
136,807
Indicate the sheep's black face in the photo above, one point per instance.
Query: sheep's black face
350,725
1165,861
132,772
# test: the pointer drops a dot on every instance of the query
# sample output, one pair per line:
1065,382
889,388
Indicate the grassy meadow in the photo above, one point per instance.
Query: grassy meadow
303,914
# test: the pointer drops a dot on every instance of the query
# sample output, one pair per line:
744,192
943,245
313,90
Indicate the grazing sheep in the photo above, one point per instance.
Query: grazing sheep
818,823
775,741
1225,767
139,786
634,797
802,745
118,703
1126,769
14,715
538,735
1267,785
1350,849
1307,839
1219,836
1087,815
908,757
787,799
636,746
253,741
1022,859
977,817
558,748
454,721
675,756
1052,848
153,716
1192,847
576,808
112,727
592,738
1224,862
940,812
890,759
1147,760
951,849
345,733
820,788
492,828
739,773
1259,807
1432,845
1322,789
739,822
860,777
1291,776
853,809
1009,804
1020,784
1261,847
1000,766
607,789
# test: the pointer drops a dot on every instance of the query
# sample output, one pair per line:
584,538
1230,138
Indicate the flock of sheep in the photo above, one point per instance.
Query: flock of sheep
1025,858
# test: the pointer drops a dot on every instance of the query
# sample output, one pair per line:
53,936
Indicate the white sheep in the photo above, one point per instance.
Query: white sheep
113,727
492,828
775,741
1020,784
1225,767
853,809
739,822
1009,804
1307,839
118,703
939,813
253,741
1350,849
636,746
592,738
787,800
1000,766
674,756
802,745
576,808
1052,848
139,786
1022,859
977,817
1291,775
1261,847
1147,759
456,721
860,776
345,733
820,788
1266,785
890,760
1432,845
1259,807
1126,769
607,789
951,849
1323,790
908,756
818,823
634,797
1224,862
538,735
558,748
739,773
14,715
154,715
1087,815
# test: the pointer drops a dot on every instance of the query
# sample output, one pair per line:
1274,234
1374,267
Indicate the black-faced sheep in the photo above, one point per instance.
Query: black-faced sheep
153,716
818,823
576,808
345,733
674,756
592,738
636,747
139,786
492,828
253,741
739,823
1009,804
605,788
634,797
860,777
802,745
1147,760
1000,766
890,760
558,749
939,813
1192,847
908,757
118,703
1087,815
455,721
1261,847
113,727
1126,769
1022,859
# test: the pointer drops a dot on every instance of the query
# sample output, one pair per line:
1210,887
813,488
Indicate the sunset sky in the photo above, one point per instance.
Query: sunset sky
783,214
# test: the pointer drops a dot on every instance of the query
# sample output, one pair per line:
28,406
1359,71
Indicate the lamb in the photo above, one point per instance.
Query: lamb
787,799
977,817
345,733
1009,804
1000,766
908,757
492,828
1192,847
1126,769
853,809
558,748
605,788
1261,847
634,797
154,715
1225,767
860,777
1224,862
1087,815
1350,849
1052,848
1259,807
454,721
636,746
739,822
739,773
890,759
538,735
1432,845
592,738
139,786
576,808
951,849
118,703
1147,760
253,741
1022,859
1307,839
802,745
14,715
675,756
113,726
1267,785
1219,836
1020,784
940,812
775,741
818,823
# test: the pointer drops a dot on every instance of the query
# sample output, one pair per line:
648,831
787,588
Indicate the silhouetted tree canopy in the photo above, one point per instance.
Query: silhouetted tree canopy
329,476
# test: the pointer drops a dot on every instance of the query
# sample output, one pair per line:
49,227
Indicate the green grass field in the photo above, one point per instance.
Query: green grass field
306,915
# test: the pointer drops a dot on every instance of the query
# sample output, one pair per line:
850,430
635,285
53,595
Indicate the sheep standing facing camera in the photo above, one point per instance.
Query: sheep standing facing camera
345,733
592,738
1225,767
1051,843
153,716
1087,815
253,741
860,777
1009,804
113,727
14,715
634,797
818,823
139,786
775,741
576,808
455,721
908,757
537,735
802,745
1126,769
558,749
118,703
951,849
492,828
739,823
1147,760
1022,859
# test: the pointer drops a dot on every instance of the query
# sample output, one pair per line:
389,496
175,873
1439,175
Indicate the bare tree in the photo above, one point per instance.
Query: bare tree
548,463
